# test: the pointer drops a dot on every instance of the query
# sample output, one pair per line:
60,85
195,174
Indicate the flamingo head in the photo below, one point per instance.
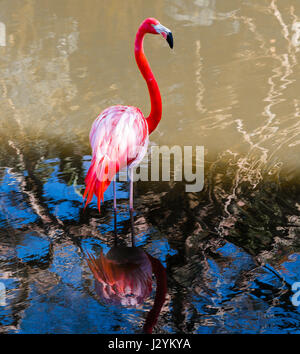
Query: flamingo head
151,25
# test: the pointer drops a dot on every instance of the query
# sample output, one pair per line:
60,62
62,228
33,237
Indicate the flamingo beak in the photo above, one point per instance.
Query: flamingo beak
170,39
165,32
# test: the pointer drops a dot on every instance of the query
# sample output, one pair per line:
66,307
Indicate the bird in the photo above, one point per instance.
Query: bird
120,134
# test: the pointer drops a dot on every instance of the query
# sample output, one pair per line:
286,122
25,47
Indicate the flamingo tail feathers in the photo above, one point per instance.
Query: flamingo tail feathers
98,178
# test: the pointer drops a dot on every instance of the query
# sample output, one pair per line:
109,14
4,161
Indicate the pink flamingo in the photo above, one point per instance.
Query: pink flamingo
119,135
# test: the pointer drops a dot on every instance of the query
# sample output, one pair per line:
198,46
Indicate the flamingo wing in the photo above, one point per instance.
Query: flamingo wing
119,138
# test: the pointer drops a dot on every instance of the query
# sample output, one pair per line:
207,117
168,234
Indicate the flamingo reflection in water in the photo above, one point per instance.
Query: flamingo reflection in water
124,277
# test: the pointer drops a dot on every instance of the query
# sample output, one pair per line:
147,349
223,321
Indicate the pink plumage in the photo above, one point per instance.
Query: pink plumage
119,138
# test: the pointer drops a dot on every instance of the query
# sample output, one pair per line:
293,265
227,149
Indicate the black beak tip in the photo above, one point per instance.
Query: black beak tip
170,39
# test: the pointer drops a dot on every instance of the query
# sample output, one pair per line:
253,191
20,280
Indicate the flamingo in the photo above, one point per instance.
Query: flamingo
119,136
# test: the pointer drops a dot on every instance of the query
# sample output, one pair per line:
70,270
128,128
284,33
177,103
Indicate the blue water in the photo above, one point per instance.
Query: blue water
218,288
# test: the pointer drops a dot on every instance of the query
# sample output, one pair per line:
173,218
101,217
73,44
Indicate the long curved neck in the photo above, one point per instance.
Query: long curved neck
141,60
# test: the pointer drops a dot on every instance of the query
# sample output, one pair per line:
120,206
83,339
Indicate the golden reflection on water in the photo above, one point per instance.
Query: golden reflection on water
229,85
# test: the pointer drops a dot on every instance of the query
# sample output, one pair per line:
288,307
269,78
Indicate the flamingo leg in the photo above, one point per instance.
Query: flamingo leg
131,205
115,209
131,189
115,197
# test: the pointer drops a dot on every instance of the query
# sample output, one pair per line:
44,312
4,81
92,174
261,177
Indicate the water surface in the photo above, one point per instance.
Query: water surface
231,84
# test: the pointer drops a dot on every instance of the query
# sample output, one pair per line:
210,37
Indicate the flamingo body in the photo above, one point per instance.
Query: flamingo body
119,138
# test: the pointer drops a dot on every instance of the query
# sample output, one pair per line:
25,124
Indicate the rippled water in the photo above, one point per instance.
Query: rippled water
231,84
